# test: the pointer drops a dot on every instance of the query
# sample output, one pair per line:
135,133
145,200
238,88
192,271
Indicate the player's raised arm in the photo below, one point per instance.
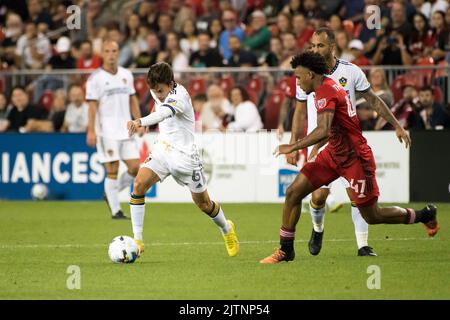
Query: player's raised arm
383,110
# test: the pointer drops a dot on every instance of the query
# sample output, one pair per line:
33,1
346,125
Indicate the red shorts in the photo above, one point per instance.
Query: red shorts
360,174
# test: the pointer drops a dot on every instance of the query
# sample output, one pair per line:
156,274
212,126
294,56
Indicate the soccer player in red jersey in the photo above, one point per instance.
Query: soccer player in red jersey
347,155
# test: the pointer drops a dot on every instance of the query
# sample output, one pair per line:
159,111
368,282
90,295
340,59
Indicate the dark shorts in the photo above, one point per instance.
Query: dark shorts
360,174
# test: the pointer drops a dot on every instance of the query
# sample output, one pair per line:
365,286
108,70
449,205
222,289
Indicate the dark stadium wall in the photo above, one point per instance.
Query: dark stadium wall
430,166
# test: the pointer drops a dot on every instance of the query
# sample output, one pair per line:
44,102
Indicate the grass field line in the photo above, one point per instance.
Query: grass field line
201,243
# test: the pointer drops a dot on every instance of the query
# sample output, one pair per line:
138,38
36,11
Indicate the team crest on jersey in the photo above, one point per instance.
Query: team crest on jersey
321,103
171,101
343,81
110,152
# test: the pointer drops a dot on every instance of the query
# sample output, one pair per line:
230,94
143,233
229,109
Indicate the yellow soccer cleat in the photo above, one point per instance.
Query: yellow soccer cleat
231,240
140,245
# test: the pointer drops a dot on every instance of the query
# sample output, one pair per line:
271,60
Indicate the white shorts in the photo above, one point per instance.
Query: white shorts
186,169
344,182
110,150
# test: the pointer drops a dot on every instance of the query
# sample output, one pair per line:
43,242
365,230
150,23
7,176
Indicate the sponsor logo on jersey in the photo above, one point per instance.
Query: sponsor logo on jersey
171,101
343,81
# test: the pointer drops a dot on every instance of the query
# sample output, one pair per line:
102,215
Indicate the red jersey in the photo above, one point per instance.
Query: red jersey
346,141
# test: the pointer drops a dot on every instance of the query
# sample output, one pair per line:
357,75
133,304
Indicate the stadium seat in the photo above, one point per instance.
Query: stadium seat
255,84
46,100
226,83
140,84
272,108
197,86
283,83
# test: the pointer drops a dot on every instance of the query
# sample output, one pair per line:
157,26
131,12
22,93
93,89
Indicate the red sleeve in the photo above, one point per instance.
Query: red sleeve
326,99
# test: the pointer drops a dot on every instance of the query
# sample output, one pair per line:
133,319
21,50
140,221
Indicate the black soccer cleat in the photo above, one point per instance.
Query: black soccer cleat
315,242
119,215
366,251
429,219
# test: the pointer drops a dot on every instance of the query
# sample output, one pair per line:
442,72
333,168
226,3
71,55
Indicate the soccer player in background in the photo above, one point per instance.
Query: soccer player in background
353,80
346,155
112,102
174,154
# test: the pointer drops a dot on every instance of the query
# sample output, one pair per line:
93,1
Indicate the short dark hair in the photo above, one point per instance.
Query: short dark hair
427,88
160,72
330,34
310,60
243,91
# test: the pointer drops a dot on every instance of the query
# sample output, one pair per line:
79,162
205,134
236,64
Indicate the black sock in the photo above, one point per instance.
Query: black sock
287,246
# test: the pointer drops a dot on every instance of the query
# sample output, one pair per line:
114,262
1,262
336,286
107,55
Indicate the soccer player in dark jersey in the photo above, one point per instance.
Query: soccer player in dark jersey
347,155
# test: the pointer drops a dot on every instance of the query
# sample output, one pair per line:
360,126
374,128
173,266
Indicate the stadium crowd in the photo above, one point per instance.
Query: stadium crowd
222,33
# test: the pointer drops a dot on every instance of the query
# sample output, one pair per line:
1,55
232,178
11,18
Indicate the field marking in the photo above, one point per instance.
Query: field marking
157,244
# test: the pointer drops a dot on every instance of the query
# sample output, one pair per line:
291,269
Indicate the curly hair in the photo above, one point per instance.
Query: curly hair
310,60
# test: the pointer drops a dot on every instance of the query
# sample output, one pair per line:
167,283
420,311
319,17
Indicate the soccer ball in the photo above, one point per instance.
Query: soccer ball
123,249
39,191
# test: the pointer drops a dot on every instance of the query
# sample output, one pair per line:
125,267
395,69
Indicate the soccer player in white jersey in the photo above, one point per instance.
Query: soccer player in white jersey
174,154
112,103
353,80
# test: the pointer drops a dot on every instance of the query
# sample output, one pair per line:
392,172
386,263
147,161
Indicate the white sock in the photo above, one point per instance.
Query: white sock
318,217
221,221
137,211
112,194
125,180
361,228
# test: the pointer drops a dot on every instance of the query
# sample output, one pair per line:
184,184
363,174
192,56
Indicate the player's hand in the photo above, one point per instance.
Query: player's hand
292,158
141,131
133,126
403,136
313,154
91,139
283,149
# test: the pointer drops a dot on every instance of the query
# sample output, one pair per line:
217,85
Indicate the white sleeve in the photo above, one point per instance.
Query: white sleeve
361,82
300,95
245,117
92,89
156,117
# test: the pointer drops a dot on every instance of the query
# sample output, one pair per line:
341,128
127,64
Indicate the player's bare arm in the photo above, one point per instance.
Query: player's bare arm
136,112
383,110
316,148
91,136
298,125
321,132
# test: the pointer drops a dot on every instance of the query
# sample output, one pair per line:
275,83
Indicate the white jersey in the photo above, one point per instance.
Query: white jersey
112,91
349,76
178,130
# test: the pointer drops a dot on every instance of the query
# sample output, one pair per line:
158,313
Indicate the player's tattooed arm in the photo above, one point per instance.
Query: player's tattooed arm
383,110
321,132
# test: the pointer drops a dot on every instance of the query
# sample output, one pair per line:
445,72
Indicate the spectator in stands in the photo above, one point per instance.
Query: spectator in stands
189,40
275,55
149,57
88,60
173,55
210,13
357,50
240,57
283,24
135,35
21,111
429,7
216,109
97,42
180,11
289,50
198,102
343,51
231,29
125,51
422,39
215,29
311,10
406,111
392,50
399,23
441,34
76,117
33,49
12,33
205,56
335,22
367,35
246,115
59,18
55,118
258,40
4,110
63,59
165,25
366,115
37,15
293,7
447,17
302,31
379,85
147,12
432,113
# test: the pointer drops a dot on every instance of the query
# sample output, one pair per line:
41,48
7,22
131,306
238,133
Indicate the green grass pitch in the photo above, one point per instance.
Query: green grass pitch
185,257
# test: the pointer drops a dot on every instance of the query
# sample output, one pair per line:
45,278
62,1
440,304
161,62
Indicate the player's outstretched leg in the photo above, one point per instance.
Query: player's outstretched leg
111,189
215,212
295,193
395,215
317,211
144,180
